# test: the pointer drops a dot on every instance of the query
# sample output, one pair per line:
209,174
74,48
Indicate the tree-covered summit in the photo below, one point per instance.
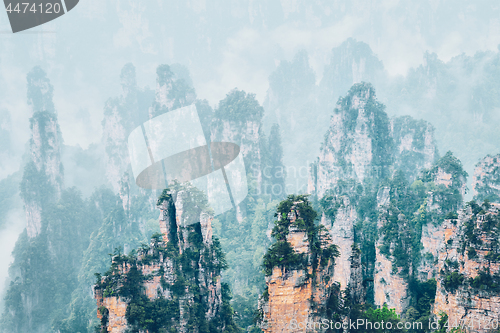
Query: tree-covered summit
296,214
239,106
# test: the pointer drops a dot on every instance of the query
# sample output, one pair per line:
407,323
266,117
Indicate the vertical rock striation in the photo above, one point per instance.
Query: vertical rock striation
298,271
357,147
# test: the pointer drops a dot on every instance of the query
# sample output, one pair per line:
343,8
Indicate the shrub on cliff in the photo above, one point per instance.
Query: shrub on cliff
282,254
296,213
452,281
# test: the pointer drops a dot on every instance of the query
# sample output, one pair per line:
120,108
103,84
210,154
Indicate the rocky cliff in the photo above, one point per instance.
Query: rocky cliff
244,232
358,145
415,147
43,175
362,149
382,190
40,189
298,268
135,106
68,238
389,243
469,271
173,91
123,114
173,284
237,119
390,206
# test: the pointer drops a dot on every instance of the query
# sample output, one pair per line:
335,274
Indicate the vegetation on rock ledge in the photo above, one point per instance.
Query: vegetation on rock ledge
296,214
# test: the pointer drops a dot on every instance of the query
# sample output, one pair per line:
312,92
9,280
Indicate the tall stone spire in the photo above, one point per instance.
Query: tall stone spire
43,175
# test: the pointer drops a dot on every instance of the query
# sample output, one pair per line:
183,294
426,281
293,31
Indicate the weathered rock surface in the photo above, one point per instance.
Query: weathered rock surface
297,294
468,260
179,273
116,309
467,286
289,299
375,174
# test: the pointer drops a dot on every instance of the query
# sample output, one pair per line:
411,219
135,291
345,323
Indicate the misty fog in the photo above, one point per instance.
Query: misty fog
432,60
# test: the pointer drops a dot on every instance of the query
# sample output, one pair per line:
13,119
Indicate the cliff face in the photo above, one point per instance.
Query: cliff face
55,259
389,286
363,144
43,176
47,255
174,283
134,107
238,119
469,270
347,151
390,205
425,239
413,226
361,149
468,261
172,92
434,240
298,269
395,211
342,234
